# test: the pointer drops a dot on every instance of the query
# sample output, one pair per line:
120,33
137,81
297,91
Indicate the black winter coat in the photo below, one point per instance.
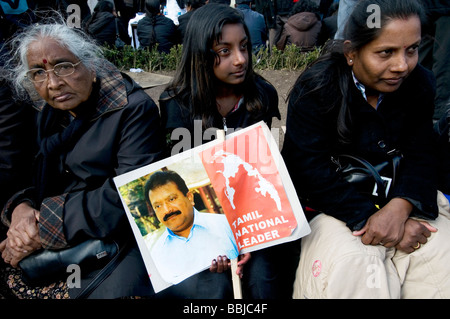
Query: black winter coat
103,29
403,121
182,24
437,7
118,141
165,30
17,144
123,133
443,136
270,9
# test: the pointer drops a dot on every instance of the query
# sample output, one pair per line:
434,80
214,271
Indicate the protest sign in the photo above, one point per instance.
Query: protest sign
242,196
245,176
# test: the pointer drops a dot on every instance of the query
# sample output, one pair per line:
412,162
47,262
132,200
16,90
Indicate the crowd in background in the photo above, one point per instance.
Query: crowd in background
272,23
306,23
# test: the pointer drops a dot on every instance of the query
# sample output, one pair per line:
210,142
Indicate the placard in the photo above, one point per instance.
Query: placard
240,195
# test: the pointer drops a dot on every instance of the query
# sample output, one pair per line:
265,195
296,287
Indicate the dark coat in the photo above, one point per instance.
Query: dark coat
103,29
328,30
256,27
165,30
437,7
403,121
123,134
301,29
443,136
270,9
182,24
17,144
126,139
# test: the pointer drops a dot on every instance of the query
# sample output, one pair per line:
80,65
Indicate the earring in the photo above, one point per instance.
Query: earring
351,61
95,80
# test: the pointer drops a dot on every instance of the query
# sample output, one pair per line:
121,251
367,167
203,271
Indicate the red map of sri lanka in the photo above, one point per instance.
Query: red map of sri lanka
247,183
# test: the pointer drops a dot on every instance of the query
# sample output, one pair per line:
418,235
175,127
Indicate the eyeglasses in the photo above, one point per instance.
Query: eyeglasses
60,69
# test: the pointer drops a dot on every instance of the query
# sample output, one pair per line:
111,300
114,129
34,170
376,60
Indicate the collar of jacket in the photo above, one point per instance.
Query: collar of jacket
112,94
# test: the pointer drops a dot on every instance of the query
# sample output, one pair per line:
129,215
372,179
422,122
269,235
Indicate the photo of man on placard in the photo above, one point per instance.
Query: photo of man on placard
192,240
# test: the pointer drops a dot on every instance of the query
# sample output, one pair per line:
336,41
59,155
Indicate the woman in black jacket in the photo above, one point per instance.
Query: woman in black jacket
366,96
94,124
156,29
104,25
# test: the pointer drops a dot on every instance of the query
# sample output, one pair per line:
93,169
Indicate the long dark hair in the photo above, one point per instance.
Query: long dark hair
152,9
330,71
194,83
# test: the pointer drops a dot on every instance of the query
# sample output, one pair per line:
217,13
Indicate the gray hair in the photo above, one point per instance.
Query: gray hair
74,40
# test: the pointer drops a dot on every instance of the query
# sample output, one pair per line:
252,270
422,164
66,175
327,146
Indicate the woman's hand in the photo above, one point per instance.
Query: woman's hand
416,233
243,259
22,236
387,226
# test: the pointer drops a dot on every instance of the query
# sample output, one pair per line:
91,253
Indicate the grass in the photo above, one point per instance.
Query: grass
292,58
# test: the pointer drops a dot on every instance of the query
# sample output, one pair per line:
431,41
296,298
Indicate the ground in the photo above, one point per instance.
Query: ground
282,80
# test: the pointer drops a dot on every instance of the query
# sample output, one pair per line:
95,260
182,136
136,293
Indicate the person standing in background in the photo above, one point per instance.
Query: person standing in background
104,25
434,51
255,23
345,9
191,6
156,29
276,13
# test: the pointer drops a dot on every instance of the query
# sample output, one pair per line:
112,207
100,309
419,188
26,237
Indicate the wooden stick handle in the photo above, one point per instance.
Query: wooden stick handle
237,289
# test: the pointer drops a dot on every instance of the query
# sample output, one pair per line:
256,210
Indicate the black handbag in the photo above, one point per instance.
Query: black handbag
373,180
47,266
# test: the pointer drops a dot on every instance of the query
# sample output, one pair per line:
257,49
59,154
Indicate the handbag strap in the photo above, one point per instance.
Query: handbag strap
380,183
396,157
103,273
117,28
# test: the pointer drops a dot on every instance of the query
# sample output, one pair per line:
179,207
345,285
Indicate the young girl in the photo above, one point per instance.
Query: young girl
367,96
215,87
215,82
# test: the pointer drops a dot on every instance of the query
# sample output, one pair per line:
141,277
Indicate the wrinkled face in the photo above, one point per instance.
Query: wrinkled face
64,93
231,67
383,64
173,209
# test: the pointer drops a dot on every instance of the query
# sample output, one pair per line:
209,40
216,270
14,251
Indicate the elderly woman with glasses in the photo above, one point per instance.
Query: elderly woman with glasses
94,123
